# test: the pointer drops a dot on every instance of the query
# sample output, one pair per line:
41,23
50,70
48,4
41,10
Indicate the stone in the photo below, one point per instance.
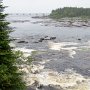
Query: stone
36,42
22,42
79,39
40,86
52,38
41,39
45,36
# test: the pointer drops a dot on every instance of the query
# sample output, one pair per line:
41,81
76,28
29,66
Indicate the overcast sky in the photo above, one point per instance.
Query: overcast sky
41,6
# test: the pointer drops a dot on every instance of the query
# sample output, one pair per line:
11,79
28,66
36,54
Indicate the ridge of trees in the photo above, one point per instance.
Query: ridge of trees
70,12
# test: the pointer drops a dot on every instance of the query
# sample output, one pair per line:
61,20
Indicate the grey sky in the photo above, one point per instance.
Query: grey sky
41,6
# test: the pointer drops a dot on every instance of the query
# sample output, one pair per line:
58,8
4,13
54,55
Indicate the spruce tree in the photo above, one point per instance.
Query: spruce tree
10,79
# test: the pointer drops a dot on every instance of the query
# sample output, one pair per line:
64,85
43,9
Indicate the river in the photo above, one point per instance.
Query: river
61,63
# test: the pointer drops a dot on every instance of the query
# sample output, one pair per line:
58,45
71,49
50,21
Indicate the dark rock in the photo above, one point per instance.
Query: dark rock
20,21
79,39
40,86
52,38
46,24
22,42
41,39
36,42
45,36
49,38
84,25
36,17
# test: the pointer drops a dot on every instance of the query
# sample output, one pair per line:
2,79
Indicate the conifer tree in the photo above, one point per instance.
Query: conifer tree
10,79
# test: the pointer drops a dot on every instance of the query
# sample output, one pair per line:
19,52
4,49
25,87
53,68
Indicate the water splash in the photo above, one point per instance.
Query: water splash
67,46
68,79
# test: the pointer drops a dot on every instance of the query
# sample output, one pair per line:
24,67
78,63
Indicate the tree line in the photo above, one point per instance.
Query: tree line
10,78
70,12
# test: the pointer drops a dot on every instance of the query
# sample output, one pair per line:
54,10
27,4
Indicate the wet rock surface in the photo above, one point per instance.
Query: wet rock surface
22,42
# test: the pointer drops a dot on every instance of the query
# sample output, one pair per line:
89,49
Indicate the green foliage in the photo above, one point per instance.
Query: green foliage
19,54
70,12
30,59
10,79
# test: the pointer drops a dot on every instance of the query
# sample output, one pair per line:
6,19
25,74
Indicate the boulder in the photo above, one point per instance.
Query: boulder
36,42
79,39
47,38
40,86
41,39
52,38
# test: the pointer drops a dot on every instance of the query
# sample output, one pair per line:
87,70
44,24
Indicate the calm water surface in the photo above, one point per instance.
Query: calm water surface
29,28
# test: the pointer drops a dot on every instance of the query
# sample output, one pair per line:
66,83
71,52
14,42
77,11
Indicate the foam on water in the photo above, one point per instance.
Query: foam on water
26,52
61,46
68,80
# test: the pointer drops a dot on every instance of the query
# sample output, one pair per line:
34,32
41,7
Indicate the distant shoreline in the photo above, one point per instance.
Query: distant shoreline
66,22
62,22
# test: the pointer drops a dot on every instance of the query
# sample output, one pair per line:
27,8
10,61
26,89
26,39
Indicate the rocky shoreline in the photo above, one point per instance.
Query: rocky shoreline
64,22
56,66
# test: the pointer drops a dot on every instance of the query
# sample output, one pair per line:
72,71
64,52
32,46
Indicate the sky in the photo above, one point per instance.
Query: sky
41,6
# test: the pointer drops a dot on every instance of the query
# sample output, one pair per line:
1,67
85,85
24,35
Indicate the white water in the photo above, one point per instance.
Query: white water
61,46
67,79
26,52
